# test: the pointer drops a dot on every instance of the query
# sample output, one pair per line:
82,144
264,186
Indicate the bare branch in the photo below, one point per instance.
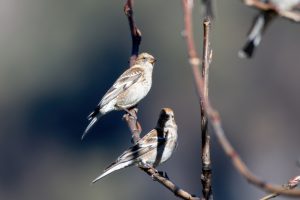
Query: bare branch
289,186
214,117
169,185
206,176
131,119
136,37
136,34
133,124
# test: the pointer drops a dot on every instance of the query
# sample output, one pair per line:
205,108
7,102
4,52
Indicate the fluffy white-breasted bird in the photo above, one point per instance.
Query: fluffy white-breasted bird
130,88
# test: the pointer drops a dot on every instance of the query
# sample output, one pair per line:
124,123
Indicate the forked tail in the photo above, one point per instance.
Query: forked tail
93,117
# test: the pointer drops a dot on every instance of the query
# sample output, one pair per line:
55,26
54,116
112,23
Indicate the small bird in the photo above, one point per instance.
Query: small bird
260,23
130,88
154,148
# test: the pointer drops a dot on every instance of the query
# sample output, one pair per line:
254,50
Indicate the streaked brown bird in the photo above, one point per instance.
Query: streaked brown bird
154,148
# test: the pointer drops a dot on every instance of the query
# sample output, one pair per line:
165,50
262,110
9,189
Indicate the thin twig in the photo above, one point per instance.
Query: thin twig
136,37
133,124
292,183
136,34
169,184
206,176
214,116
131,119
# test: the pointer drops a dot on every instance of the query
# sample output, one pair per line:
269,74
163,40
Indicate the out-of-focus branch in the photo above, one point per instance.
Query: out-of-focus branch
131,118
206,176
136,37
292,183
214,116
267,6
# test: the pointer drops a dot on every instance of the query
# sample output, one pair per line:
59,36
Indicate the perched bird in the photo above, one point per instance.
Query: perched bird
154,148
130,88
260,23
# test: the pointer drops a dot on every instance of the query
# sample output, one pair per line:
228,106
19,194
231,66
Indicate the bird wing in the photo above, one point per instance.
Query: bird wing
126,80
147,143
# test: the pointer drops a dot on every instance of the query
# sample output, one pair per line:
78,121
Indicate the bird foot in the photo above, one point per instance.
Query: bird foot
132,113
163,174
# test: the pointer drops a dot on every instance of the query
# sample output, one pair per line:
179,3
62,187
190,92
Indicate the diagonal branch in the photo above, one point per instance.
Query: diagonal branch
131,119
165,181
214,116
289,186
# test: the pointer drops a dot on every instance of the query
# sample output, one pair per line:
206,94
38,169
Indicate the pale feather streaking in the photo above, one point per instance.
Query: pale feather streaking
154,148
127,91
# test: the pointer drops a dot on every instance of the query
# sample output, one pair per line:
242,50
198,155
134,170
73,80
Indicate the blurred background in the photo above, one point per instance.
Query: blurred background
58,58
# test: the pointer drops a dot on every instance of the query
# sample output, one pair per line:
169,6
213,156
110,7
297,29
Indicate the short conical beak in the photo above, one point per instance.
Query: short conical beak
153,61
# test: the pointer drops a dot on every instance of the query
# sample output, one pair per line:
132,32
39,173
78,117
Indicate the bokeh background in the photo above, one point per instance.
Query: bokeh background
57,58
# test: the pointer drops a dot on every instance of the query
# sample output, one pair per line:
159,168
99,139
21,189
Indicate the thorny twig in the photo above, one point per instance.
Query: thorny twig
131,119
215,119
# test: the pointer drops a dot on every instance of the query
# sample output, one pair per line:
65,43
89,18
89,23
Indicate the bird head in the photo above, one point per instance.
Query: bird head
166,118
145,57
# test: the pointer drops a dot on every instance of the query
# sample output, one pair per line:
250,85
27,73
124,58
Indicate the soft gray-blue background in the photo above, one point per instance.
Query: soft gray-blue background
57,58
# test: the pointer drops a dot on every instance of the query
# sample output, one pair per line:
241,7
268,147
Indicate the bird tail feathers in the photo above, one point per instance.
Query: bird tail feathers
255,34
112,168
93,117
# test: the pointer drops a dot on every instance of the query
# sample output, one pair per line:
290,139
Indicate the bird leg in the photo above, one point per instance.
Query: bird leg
131,113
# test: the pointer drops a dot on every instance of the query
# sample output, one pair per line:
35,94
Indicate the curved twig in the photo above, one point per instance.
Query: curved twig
214,116
292,183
